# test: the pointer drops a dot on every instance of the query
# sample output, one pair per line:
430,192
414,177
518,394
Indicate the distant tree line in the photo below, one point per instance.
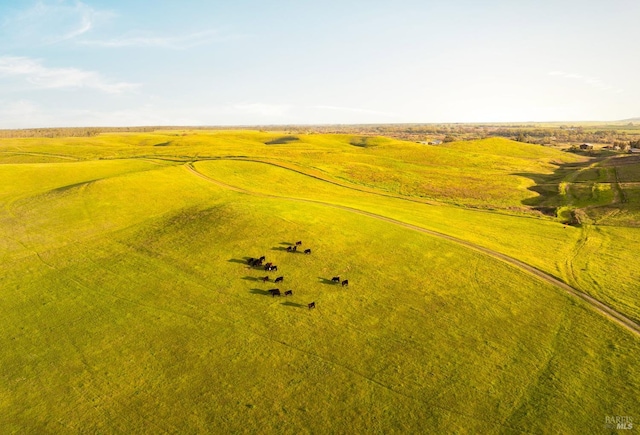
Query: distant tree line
70,132
94,131
543,134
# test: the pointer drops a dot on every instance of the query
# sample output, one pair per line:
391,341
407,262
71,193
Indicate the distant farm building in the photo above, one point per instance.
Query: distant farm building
586,146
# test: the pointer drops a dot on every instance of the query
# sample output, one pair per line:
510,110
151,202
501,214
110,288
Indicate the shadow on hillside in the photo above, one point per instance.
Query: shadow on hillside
257,291
547,188
282,140
286,243
63,189
251,278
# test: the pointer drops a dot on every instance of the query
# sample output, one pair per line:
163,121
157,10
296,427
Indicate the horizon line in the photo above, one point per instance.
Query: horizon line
237,126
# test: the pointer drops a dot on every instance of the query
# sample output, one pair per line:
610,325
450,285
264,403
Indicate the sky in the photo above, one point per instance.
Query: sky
132,62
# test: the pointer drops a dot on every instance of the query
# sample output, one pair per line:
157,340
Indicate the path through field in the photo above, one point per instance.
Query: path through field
594,303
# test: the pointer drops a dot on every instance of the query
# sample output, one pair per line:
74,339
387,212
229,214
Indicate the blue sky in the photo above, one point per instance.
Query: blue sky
241,62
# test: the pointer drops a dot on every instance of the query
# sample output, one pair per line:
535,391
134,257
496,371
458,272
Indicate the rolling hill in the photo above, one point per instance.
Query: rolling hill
129,306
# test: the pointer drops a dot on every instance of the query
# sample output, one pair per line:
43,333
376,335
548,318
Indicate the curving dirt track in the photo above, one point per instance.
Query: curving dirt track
603,309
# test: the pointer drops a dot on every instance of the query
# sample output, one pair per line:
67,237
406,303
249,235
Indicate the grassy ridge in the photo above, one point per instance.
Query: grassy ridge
480,174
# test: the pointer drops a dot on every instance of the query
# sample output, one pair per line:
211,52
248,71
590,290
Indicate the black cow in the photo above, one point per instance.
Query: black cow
261,258
312,305
335,279
265,278
295,248
289,248
298,243
250,261
271,268
267,266
307,251
275,292
345,282
288,293
279,279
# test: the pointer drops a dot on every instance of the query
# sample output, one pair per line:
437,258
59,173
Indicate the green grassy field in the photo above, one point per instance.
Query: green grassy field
128,305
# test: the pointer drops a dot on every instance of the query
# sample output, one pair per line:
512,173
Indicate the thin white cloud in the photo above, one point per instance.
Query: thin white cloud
84,26
41,77
22,114
19,108
25,114
267,110
175,42
51,22
353,110
594,82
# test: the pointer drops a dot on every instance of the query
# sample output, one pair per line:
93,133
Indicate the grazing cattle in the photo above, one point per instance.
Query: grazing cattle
345,282
261,258
288,293
279,279
312,305
267,266
250,261
265,278
289,248
307,251
335,279
298,243
295,248
275,292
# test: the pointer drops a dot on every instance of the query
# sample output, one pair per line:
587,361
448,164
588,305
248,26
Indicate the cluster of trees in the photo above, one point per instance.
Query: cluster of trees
543,134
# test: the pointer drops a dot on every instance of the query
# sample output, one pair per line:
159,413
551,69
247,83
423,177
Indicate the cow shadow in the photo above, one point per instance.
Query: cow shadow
326,281
257,291
292,304
237,260
278,248
251,278
286,243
